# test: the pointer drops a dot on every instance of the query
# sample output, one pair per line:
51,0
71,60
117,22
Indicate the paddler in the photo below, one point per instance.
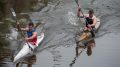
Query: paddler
90,20
31,33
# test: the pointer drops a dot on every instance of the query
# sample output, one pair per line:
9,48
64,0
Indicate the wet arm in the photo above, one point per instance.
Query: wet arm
24,29
79,14
94,22
19,27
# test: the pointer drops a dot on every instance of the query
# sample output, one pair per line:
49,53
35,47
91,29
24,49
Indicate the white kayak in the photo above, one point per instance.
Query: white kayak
25,51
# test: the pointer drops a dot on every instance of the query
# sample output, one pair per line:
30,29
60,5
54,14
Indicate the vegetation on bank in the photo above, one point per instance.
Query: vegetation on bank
20,6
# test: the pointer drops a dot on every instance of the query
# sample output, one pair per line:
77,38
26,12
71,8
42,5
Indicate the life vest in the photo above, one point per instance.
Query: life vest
89,20
29,34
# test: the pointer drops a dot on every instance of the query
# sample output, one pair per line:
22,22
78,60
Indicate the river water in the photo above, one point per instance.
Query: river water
58,47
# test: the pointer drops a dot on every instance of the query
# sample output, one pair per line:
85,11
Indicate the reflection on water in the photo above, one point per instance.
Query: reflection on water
56,57
80,48
90,46
28,60
5,55
5,52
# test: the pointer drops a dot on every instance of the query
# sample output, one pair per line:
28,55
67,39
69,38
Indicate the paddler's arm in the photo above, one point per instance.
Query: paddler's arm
19,28
79,14
24,29
33,36
94,22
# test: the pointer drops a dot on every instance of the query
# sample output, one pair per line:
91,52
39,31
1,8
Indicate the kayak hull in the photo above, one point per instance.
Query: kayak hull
97,26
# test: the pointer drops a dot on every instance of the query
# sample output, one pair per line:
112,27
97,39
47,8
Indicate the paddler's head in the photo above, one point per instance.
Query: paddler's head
31,26
91,13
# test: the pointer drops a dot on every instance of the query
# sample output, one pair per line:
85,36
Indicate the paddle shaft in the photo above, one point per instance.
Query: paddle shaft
75,58
78,6
14,15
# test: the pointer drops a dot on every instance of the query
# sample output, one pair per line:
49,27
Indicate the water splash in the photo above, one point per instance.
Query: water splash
72,19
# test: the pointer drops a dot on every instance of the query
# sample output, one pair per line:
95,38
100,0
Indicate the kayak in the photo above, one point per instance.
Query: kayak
26,50
87,35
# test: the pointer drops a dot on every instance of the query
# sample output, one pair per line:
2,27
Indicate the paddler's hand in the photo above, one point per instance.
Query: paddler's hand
26,38
18,25
78,12
89,26
79,9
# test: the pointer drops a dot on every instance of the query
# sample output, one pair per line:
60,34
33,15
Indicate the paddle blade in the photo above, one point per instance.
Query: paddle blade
77,2
13,12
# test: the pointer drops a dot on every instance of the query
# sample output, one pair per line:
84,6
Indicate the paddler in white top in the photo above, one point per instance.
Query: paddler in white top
90,20
31,33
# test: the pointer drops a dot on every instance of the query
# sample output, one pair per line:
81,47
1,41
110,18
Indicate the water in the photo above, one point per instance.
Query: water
58,47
